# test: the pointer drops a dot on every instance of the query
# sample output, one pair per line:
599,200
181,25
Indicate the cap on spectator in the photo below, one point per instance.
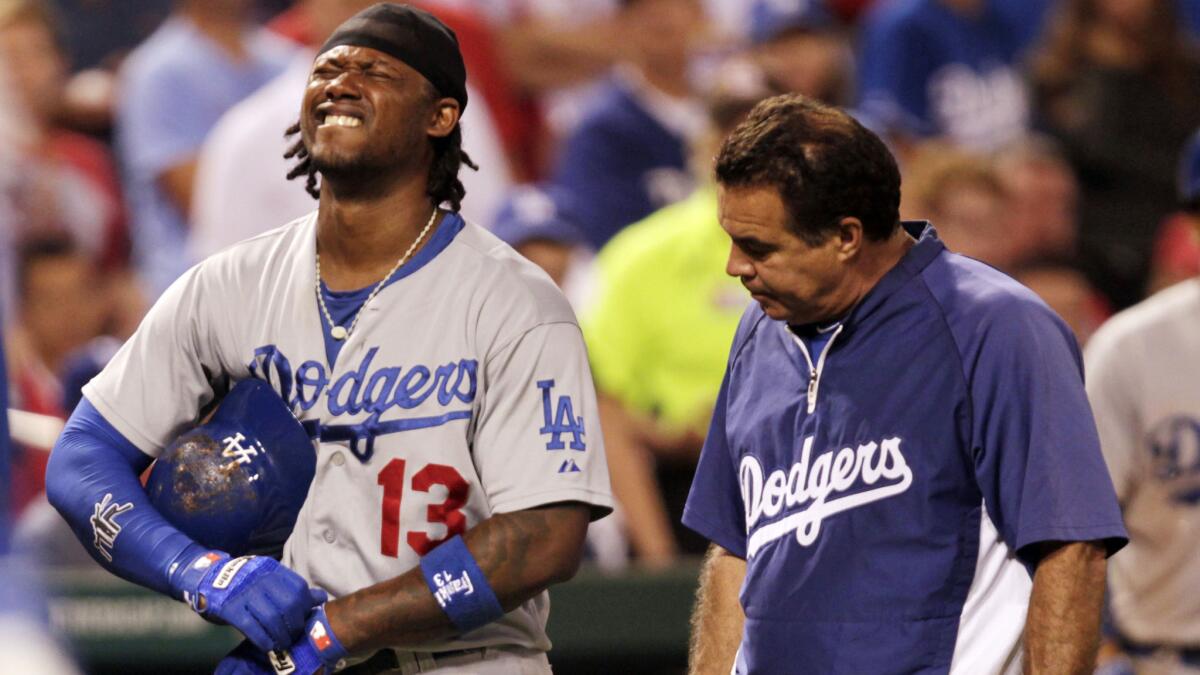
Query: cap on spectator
771,18
537,212
1189,174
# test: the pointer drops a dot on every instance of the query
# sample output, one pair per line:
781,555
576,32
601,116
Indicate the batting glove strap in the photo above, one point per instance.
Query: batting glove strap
187,581
319,648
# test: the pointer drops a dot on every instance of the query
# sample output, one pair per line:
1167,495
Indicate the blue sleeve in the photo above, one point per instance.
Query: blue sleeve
1037,452
605,190
893,75
160,123
714,505
92,479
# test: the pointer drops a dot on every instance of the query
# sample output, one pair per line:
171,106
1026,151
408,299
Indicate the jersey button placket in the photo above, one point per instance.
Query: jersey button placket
329,536
338,459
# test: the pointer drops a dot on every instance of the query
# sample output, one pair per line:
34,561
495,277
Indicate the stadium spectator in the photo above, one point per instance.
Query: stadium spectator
1043,198
174,87
539,223
658,332
67,181
1119,85
1142,369
942,68
241,184
628,156
1062,286
801,48
60,307
1177,248
961,193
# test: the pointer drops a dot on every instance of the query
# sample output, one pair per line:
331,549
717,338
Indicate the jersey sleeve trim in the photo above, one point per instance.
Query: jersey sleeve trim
1113,535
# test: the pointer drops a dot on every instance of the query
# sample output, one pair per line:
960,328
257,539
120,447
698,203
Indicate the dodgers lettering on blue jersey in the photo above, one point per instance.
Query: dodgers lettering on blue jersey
370,389
833,484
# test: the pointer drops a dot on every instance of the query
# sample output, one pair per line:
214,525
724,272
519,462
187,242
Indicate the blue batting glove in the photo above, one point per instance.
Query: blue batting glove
318,651
245,659
266,601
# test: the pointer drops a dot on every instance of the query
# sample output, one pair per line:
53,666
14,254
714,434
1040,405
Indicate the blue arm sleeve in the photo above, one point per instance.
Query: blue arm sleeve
92,479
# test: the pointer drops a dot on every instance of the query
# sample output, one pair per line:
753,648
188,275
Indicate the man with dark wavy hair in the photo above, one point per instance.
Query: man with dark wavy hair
902,473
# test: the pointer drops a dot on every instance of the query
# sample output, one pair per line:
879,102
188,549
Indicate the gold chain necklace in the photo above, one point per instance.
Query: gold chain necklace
340,332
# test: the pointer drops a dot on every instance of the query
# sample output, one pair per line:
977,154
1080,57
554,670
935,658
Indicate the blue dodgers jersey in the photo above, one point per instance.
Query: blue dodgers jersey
929,71
948,431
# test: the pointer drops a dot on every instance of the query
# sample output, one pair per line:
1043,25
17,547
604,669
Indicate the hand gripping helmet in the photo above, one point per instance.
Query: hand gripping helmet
236,483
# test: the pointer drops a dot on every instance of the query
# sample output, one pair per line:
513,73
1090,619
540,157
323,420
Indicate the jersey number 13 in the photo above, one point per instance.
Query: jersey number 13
391,477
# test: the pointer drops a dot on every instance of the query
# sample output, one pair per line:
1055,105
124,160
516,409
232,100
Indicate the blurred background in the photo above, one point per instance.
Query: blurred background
1047,138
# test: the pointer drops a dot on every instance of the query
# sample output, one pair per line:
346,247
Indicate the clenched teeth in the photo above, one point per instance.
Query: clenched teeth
341,120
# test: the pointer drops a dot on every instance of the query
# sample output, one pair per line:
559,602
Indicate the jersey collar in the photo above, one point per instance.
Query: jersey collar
917,258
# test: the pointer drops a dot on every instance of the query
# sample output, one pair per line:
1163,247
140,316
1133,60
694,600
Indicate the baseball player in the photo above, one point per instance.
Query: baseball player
443,379
1142,368
902,474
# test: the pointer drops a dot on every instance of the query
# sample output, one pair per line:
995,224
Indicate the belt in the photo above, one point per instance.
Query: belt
1188,655
389,660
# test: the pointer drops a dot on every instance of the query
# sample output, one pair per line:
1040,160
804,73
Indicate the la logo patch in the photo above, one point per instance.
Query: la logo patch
559,419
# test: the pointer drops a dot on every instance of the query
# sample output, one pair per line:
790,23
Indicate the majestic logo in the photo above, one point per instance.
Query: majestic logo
105,527
560,419
368,389
448,587
880,466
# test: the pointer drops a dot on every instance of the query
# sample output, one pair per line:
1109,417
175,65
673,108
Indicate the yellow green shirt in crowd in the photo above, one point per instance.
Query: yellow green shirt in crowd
664,313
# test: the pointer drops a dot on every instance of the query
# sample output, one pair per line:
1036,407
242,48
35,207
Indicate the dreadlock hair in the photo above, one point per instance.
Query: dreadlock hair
304,167
444,187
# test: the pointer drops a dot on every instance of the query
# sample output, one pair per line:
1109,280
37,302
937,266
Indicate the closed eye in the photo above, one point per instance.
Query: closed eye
755,248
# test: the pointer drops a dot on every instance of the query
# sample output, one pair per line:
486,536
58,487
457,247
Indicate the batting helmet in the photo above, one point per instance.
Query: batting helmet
236,483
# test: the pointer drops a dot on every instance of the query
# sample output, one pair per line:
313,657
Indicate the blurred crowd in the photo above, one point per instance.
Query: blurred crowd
1044,137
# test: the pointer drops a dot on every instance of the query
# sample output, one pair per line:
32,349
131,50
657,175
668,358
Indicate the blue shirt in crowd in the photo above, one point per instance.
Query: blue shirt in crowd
926,70
626,159
173,89
887,499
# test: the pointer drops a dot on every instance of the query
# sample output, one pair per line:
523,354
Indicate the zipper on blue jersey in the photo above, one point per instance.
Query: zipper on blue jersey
814,372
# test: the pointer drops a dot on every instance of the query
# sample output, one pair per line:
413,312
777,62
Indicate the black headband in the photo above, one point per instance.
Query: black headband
412,35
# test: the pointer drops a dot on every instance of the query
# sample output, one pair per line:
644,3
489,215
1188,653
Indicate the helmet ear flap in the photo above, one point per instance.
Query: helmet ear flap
237,482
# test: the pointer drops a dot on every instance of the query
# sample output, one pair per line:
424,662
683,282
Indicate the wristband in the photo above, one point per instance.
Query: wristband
459,586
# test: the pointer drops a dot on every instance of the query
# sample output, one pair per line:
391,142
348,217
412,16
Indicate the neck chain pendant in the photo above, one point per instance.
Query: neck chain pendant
338,333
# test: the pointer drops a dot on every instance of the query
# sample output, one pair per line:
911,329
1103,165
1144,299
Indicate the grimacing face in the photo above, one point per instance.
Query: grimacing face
791,280
366,112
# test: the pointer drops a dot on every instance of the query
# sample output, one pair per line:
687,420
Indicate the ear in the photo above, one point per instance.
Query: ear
445,117
849,237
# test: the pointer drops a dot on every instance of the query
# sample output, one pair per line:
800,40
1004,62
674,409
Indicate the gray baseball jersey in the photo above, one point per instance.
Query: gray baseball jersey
464,391
1143,366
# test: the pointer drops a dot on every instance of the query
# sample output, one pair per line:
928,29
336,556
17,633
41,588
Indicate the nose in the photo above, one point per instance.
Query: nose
738,265
345,85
